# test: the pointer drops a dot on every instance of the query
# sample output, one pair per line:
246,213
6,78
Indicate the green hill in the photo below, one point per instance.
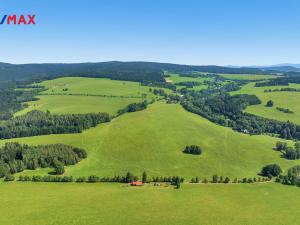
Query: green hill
153,140
85,95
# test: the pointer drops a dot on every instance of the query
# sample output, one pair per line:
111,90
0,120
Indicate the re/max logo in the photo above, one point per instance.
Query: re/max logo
17,19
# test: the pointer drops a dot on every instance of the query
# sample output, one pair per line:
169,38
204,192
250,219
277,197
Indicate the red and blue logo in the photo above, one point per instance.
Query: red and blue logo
17,19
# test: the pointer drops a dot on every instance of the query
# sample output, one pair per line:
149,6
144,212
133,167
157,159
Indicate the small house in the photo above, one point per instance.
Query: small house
137,183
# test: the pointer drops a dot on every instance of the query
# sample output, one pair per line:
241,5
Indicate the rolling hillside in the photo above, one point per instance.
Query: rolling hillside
153,140
288,100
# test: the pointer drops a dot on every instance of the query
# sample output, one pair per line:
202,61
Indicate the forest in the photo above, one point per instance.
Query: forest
15,157
37,123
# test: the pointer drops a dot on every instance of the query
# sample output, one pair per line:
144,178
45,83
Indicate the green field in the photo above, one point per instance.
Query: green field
114,204
289,100
86,95
176,78
68,104
95,86
247,76
153,140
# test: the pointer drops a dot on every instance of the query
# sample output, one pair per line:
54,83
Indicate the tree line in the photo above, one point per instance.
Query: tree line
36,123
127,178
280,81
134,107
220,179
283,89
284,110
15,158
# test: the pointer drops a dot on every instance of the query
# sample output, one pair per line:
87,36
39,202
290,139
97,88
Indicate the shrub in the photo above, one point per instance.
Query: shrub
93,179
270,103
271,170
81,179
193,149
58,167
215,179
9,177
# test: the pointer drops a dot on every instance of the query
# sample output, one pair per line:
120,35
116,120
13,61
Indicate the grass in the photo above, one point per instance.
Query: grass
95,86
247,76
112,204
176,78
153,140
288,100
68,104
73,95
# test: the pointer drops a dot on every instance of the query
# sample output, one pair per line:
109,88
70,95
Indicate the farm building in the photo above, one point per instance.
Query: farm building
137,183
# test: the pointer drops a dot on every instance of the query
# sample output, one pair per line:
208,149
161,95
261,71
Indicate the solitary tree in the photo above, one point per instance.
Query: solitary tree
270,103
215,178
58,167
144,177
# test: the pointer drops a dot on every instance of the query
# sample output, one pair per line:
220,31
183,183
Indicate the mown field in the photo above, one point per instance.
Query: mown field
247,76
86,95
153,140
95,86
114,204
288,100
68,104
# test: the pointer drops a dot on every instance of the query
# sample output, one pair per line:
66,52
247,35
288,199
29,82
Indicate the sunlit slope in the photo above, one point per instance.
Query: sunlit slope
114,204
153,140
68,104
283,99
95,86
86,95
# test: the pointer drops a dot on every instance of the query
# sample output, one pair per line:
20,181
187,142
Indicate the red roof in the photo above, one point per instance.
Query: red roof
137,183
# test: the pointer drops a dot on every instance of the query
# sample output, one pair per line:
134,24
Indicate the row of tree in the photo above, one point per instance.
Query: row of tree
40,123
283,89
280,81
128,178
134,107
221,179
284,110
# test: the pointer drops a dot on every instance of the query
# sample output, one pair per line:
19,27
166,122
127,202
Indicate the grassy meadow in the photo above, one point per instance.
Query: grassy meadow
288,100
247,76
114,204
86,95
68,104
153,140
176,78
95,86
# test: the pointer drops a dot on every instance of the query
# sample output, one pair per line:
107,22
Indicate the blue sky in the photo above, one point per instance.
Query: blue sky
221,32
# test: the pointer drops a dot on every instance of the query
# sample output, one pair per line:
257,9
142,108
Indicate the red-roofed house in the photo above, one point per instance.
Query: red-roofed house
137,183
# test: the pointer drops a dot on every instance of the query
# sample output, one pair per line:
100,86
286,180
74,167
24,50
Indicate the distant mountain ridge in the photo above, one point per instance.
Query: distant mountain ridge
284,67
